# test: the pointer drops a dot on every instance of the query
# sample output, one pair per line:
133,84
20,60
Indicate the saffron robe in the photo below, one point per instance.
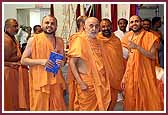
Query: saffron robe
46,90
141,92
71,78
16,81
114,56
97,96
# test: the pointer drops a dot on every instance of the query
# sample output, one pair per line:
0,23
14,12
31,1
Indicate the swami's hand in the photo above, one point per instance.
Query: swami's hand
132,45
60,63
123,84
83,86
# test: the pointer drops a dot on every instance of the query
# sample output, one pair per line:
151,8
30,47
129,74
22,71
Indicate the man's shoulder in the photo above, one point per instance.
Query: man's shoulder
152,33
155,33
7,39
75,35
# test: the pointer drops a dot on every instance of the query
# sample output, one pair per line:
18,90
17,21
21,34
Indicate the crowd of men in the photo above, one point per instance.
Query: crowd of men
104,67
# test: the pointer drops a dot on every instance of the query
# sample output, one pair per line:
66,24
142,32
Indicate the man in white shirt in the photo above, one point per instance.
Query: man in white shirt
122,23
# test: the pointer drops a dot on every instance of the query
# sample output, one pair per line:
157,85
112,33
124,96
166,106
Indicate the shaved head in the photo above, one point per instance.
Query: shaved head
91,19
49,25
135,23
91,27
9,22
11,26
135,16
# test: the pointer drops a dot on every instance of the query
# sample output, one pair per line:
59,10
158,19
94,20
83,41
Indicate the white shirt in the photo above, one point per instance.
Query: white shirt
120,34
22,36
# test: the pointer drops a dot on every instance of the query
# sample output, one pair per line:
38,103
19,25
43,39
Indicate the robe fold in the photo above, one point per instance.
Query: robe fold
141,92
114,58
46,90
97,96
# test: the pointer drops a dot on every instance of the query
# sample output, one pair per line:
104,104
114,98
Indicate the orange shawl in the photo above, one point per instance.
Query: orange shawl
82,49
141,89
41,79
114,56
71,78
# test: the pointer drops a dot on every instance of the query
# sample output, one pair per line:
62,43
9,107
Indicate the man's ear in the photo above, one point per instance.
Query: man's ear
141,23
84,27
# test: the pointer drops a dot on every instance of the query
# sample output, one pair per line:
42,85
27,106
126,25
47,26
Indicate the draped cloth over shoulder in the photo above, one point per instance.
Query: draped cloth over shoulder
114,56
140,78
97,96
71,78
16,82
45,89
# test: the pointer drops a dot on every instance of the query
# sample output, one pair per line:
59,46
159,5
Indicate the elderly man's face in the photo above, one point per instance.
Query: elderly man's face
12,27
92,27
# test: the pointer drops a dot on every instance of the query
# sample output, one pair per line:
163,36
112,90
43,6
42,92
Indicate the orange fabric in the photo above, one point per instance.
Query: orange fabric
114,57
98,95
140,78
114,96
41,80
16,87
157,33
16,81
17,46
71,89
24,101
71,78
11,95
161,92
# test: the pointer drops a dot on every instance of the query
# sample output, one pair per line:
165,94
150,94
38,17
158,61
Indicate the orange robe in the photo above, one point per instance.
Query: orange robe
114,56
11,95
46,90
140,78
16,83
97,96
24,100
159,82
71,79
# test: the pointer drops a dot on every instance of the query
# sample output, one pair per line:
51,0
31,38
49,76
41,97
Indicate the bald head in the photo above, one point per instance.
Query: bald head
91,19
91,27
11,26
49,16
135,23
135,16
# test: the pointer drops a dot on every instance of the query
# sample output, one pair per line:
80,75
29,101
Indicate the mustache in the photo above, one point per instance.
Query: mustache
106,31
93,32
123,26
134,25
